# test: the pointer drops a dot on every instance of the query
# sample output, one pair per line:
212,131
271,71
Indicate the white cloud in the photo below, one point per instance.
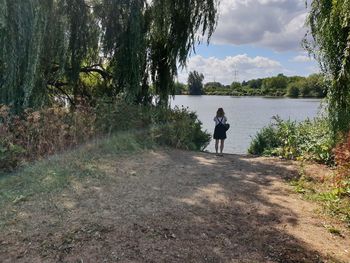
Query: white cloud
223,70
313,69
276,24
302,59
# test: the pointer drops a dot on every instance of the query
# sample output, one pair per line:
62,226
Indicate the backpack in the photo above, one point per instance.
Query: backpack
226,125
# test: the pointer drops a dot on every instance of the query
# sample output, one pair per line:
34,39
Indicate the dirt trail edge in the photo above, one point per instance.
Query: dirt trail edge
175,206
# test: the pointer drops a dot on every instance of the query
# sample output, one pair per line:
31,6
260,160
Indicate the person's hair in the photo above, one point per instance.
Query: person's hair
220,112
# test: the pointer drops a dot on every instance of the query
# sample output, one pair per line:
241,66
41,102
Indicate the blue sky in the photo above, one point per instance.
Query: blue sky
256,38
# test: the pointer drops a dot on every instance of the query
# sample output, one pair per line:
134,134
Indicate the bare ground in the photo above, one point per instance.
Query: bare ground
175,206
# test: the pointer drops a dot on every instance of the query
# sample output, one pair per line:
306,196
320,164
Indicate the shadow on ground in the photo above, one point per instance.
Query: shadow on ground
167,206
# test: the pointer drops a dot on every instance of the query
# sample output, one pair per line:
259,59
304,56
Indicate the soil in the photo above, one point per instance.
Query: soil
176,206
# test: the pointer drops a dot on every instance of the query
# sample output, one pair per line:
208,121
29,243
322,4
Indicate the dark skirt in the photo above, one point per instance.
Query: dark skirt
220,132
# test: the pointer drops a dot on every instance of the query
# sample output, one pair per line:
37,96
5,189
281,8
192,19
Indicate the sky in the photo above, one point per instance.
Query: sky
254,39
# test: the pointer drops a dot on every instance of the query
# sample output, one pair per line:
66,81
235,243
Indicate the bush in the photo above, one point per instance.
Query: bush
278,138
309,140
342,159
293,90
264,141
113,116
179,128
10,155
36,134
316,140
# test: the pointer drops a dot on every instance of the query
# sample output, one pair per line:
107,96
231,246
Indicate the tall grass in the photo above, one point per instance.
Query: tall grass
310,140
63,170
38,134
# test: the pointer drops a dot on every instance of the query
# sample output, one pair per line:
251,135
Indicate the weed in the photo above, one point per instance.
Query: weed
332,230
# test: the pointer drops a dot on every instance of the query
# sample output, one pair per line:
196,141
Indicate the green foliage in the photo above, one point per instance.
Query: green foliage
295,86
177,128
316,141
64,169
342,159
310,140
10,155
328,41
180,129
279,139
254,83
195,83
175,30
293,90
279,82
114,116
180,88
47,48
213,85
37,134
213,90
235,85
312,86
23,25
264,141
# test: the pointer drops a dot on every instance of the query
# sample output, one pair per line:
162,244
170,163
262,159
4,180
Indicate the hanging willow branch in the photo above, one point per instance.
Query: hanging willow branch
328,41
176,28
127,42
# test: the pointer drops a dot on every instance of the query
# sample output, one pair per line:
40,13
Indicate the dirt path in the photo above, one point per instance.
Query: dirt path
175,206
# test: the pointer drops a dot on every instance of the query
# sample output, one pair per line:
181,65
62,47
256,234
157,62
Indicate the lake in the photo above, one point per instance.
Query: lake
246,115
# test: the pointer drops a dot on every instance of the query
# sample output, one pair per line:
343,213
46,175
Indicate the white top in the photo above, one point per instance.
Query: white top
217,120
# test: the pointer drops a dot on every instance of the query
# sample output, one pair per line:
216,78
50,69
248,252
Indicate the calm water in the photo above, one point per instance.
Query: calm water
246,115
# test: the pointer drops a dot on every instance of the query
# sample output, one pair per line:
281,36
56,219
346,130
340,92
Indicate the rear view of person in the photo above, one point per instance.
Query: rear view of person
220,130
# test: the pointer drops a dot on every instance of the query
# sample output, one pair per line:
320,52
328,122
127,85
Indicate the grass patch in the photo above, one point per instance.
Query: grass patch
335,201
54,174
333,230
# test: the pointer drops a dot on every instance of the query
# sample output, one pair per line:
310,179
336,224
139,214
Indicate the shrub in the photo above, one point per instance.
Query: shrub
310,140
113,116
36,134
316,140
278,138
264,141
10,155
179,128
342,159
293,90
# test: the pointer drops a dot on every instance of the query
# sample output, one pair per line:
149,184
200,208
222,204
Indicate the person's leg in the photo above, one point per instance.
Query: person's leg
222,146
216,146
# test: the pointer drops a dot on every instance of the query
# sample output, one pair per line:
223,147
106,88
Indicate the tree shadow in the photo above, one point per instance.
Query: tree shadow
180,207
221,215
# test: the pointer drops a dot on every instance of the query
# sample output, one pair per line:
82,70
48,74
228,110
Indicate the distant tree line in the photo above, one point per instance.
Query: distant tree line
277,86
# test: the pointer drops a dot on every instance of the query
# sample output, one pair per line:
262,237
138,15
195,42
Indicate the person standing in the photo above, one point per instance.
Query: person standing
220,130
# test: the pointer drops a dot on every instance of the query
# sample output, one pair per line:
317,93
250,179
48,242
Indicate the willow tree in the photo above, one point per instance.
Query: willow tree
22,26
177,26
124,43
3,13
328,41
148,40
47,47
44,44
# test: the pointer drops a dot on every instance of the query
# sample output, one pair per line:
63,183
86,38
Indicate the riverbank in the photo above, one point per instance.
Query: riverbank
130,204
247,115
254,95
